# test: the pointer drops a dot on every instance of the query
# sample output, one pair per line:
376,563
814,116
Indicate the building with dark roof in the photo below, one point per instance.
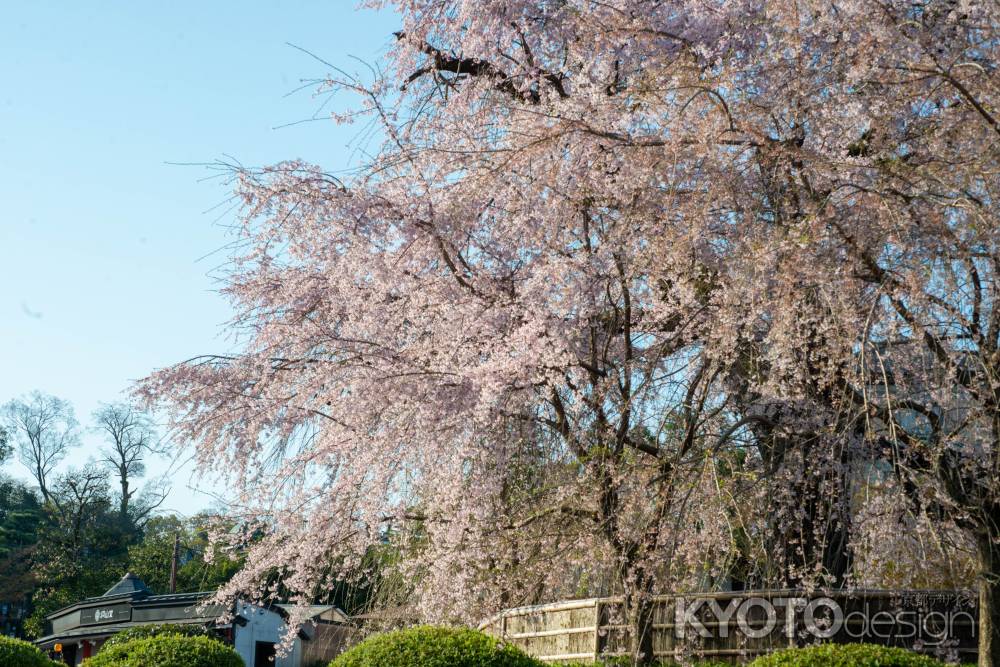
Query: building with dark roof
77,632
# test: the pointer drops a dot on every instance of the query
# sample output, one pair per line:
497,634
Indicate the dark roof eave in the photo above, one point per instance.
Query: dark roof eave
97,632
137,601
171,598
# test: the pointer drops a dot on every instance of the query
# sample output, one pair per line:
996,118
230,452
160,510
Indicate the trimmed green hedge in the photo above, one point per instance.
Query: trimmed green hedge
846,655
428,646
17,653
627,662
147,631
167,651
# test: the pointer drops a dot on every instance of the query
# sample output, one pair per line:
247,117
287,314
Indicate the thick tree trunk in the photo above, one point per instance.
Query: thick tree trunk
639,612
638,596
123,502
989,604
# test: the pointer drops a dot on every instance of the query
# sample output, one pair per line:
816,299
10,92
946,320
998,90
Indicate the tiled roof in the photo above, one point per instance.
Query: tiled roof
129,585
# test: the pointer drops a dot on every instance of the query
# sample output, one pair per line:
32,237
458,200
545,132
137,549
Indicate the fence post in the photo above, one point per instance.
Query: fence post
597,630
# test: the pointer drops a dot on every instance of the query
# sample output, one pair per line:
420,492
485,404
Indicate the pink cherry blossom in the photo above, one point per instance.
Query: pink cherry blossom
634,296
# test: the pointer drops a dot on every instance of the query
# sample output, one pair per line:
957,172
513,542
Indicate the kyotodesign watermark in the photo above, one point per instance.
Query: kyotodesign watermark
817,618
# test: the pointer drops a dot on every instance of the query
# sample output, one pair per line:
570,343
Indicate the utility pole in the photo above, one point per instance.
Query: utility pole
173,562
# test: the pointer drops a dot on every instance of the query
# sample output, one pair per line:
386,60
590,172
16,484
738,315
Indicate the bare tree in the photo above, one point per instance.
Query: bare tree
80,496
44,429
153,494
131,437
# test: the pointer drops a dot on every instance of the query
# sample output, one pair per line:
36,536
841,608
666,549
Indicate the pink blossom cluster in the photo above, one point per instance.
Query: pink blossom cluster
634,296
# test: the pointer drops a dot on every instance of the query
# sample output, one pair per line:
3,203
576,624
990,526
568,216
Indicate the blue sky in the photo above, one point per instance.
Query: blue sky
108,248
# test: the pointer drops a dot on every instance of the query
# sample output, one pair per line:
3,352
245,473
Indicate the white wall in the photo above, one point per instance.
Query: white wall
263,626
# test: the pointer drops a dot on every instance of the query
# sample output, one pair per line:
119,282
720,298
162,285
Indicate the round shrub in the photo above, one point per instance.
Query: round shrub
846,655
17,653
427,646
147,631
167,651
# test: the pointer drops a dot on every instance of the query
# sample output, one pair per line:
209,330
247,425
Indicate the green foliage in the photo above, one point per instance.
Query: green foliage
46,600
628,662
20,515
150,558
148,631
168,651
427,646
17,653
80,541
22,519
82,546
845,655
376,582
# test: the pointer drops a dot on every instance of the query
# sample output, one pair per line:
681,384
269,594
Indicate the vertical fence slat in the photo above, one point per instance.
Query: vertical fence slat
597,630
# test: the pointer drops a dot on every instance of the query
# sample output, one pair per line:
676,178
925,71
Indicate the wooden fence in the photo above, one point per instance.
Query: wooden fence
736,626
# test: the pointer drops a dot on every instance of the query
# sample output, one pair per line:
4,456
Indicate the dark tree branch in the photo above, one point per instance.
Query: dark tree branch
477,67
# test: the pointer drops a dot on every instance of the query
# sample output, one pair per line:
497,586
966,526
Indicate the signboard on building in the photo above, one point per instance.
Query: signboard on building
110,614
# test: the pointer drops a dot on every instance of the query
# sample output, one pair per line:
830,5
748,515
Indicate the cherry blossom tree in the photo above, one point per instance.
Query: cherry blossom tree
607,254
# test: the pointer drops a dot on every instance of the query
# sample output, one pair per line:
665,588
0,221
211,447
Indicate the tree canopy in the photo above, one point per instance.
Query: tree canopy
75,537
651,290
